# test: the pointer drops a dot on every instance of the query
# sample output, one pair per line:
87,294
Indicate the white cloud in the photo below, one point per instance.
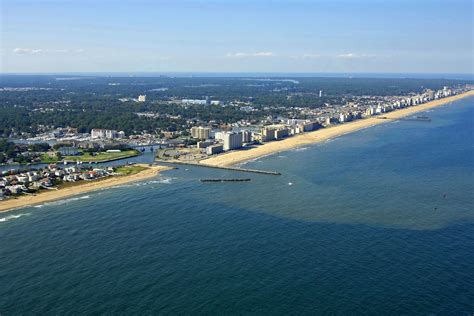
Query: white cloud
27,51
245,55
35,51
353,56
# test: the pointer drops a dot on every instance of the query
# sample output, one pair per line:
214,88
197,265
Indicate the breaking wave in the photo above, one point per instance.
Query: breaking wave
12,217
300,149
145,183
63,201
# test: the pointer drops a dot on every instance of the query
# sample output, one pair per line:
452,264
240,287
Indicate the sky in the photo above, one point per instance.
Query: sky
376,36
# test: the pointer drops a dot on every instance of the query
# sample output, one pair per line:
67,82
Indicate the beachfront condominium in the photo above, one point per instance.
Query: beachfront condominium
268,133
246,136
232,140
200,132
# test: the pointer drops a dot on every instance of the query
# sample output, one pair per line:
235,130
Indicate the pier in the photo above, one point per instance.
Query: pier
413,119
226,180
273,173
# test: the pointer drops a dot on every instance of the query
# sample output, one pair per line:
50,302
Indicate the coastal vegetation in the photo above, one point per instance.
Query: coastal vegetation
104,102
11,152
102,156
129,170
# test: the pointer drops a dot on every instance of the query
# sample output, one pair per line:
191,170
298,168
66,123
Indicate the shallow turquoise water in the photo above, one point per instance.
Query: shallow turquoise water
379,222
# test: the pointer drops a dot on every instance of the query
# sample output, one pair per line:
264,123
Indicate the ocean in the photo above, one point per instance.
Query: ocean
380,221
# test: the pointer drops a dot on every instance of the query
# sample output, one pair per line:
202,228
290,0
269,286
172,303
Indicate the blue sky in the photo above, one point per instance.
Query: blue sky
237,36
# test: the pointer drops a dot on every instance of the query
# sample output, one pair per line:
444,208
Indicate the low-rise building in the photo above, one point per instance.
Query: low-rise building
68,151
214,149
204,144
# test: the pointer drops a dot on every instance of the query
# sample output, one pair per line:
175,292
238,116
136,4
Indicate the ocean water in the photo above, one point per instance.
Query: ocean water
378,222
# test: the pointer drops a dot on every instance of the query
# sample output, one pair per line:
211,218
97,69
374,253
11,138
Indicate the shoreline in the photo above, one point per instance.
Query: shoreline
241,156
53,195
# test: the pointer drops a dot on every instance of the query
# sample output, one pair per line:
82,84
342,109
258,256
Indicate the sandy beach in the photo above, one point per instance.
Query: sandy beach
52,195
235,157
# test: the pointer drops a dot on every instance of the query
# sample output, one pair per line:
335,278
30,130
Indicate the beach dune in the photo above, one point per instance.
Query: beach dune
239,156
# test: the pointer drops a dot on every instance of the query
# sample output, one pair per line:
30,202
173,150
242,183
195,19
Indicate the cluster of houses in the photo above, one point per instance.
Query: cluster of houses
31,181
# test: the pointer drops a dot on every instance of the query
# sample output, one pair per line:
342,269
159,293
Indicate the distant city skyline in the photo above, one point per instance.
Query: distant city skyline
368,36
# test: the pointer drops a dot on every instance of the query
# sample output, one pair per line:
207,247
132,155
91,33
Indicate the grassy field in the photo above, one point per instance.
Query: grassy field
128,170
45,158
103,156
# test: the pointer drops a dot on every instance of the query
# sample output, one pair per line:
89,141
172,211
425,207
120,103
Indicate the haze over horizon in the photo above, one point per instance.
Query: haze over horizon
342,36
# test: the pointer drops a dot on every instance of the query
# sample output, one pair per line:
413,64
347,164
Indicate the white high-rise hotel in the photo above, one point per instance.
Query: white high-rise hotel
232,140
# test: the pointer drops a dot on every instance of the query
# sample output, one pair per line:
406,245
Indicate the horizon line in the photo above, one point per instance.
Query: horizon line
440,75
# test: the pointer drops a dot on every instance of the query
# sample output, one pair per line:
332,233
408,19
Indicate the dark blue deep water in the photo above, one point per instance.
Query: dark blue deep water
377,222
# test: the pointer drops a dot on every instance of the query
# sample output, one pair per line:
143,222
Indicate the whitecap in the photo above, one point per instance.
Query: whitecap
300,149
11,217
64,201
161,181
145,183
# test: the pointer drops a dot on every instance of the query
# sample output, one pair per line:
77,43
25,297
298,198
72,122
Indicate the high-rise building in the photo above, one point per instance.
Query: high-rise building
97,133
268,134
246,136
141,98
431,95
281,133
104,133
342,117
232,140
320,93
200,132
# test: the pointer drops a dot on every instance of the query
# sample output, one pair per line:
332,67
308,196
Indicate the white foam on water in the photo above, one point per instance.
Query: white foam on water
300,149
161,181
145,183
64,201
12,217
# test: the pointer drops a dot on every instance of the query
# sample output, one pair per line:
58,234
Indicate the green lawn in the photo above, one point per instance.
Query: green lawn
103,156
45,158
128,170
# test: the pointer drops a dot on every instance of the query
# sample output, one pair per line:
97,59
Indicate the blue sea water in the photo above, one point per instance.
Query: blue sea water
380,221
